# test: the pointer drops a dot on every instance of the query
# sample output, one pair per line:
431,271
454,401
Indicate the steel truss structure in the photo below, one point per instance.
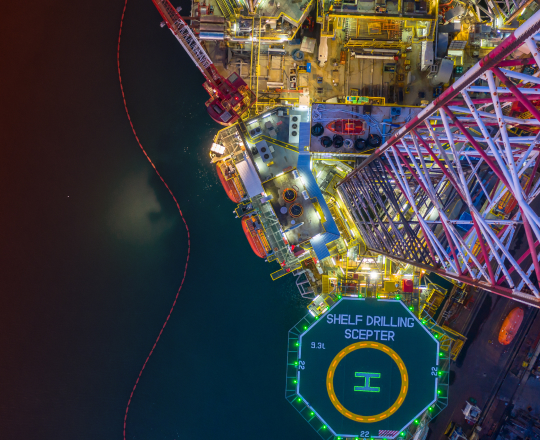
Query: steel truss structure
229,98
499,12
451,191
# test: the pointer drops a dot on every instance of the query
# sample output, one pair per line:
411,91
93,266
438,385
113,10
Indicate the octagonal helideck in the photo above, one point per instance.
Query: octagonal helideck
368,368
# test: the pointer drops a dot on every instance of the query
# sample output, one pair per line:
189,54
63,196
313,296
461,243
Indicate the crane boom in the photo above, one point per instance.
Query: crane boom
229,98
186,37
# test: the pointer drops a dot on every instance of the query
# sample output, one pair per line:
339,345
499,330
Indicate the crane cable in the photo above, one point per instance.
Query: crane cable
177,206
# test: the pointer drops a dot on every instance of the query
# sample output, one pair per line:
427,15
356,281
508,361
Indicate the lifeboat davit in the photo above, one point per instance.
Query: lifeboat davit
227,180
347,126
255,236
511,326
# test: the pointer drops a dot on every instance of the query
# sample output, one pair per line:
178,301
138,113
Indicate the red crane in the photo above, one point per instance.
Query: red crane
229,98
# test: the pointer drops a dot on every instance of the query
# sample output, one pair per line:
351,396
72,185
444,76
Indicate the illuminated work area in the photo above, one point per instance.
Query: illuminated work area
354,371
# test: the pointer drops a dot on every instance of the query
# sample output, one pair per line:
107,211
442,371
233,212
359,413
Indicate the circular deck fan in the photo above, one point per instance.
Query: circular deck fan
296,210
289,195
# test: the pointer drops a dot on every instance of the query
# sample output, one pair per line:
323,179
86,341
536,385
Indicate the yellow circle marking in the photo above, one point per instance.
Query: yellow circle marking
402,371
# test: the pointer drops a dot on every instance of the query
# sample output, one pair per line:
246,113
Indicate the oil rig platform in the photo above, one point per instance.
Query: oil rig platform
385,150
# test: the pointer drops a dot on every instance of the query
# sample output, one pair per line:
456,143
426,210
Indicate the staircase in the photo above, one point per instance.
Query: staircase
327,27
255,54
227,8
350,29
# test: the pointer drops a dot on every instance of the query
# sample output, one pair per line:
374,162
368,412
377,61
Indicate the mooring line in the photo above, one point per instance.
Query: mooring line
177,205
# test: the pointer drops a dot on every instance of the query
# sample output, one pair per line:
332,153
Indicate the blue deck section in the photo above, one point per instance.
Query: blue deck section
332,233
319,246
303,136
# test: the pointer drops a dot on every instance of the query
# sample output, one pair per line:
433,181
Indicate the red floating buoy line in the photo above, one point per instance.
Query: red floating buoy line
179,210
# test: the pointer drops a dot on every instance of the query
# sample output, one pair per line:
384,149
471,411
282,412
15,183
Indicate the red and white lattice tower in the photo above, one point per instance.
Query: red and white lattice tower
453,191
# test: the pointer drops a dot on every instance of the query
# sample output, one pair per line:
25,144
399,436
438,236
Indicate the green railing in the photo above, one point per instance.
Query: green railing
293,365
443,380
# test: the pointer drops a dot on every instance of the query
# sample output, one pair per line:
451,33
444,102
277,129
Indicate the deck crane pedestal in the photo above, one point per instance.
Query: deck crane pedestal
230,97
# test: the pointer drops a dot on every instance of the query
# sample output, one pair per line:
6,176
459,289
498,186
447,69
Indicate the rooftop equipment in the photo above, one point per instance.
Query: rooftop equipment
325,141
296,210
289,195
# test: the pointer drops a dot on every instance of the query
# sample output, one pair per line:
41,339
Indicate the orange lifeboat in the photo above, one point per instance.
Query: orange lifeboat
511,326
255,235
347,126
227,177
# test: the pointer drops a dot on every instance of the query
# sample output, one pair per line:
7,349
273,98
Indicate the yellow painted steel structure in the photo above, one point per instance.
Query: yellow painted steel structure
374,43
377,24
226,9
458,340
255,65
258,68
281,273
235,15
434,300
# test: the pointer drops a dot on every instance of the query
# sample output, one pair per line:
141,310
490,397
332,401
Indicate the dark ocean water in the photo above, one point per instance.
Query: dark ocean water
93,248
